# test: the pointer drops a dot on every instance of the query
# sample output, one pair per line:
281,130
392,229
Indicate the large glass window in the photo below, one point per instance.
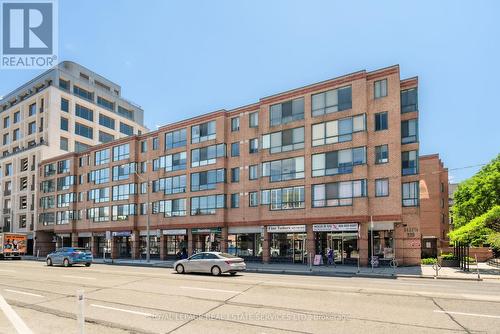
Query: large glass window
175,139
287,198
105,137
235,149
99,176
381,121
207,155
172,162
105,103
122,212
84,131
170,185
332,101
207,180
337,193
409,100
282,170
235,124
381,154
106,121
203,132
337,131
254,119
83,112
253,172
121,152
63,166
126,129
380,88
64,183
284,141
286,112
410,193
122,172
101,157
381,187
175,207
235,201
338,162
83,93
123,191
99,214
409,162
98,195
207,205
409,131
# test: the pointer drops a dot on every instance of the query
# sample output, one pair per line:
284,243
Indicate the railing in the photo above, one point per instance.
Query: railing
6,211
42,142
494,263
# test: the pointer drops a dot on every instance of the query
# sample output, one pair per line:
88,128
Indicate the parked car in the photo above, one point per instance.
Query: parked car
215,263
68,256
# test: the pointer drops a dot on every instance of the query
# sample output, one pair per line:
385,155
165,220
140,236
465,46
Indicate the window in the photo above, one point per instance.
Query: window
254,119
100,214
286,112
122,172
409,100
171,162
101,157
381,121
83,93
84,131
175,139
17,117
332,101
409,162
338,162
123,191
63,144
64,183
64,105
122,212
48,170
253,146
6,122
253,172
31,128
32,109
207,180
80,147
171,185
175,208
380,88
5,138
235,174
207,155
64,124
207,205
410,193
16,135
381,154
409,131
105,137
253,199
63,200
125,112
156,143
144,146
282,170
98,176
337,193
63,166
203,132
287,198
106,121
85,113
121,152
381,187
105,103
126,129
99,195
284,141
235,149
235,201
337,131
64,84
48,202
235,124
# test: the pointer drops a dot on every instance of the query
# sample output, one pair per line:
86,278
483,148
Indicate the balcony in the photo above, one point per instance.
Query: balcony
6,211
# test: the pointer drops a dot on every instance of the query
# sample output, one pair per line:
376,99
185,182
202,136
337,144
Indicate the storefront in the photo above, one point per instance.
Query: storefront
103,245
287,243
341,238
245,242
62,240
154,244
123,242
382,242
85,240
207,239
176,241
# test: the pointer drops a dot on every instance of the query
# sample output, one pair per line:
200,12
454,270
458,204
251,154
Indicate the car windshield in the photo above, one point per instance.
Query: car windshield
80,250
227,256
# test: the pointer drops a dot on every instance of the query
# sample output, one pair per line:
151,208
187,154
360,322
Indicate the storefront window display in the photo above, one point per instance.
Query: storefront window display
383,245
288,243
207,240
154,246
176,242
246,245
341,238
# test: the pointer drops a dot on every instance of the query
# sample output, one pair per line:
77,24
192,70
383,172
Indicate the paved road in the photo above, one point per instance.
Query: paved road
155,300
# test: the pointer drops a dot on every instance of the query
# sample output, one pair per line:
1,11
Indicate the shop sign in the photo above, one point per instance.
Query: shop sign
335,227
64,235
286,228
84,234
100,234
206,230
122,234
175,232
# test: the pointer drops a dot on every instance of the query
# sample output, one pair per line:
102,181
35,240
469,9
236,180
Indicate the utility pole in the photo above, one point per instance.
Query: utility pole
371,237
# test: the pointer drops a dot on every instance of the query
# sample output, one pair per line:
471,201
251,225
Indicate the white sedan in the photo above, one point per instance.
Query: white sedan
215,263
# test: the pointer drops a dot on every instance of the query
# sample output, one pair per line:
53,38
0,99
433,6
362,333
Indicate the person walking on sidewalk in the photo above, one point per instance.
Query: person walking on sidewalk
329,255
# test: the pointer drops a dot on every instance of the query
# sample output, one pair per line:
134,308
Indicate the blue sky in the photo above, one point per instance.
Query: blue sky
183,58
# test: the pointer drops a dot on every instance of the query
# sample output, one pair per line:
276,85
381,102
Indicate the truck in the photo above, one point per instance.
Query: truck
13,245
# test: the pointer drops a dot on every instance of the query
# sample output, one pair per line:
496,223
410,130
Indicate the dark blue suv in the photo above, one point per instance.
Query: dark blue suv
68,256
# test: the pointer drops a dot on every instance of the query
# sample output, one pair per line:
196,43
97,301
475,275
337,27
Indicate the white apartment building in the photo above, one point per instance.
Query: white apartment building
65,109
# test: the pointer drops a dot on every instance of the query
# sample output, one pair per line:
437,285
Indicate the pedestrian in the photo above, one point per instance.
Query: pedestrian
329,255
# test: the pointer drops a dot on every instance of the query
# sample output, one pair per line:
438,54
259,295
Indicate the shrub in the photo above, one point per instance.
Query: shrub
448,256
429,260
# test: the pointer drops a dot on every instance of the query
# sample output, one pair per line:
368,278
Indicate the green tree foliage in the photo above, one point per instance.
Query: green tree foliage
480,230
478,194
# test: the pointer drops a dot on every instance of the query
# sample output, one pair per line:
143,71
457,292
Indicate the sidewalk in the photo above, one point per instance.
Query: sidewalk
424,271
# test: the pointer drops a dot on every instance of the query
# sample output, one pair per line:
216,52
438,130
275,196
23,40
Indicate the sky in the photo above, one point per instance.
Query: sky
179,59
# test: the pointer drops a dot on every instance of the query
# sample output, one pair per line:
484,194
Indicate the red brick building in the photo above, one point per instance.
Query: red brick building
282,179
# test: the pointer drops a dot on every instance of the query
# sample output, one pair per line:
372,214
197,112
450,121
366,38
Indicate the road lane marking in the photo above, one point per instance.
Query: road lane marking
123,310
206,289
15,319
470,314
24,293
79,277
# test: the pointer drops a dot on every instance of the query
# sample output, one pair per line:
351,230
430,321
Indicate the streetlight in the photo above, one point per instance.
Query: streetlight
148,213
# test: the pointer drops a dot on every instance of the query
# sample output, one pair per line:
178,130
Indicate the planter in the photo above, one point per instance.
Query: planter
449,263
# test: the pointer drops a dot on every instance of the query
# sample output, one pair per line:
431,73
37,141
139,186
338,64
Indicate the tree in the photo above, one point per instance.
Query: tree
478,194
481,230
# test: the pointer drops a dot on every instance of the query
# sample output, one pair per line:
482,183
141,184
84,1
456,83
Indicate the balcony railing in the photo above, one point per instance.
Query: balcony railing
6,211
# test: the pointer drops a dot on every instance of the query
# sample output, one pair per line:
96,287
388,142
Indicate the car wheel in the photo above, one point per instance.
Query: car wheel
49,262
179,269
87,264
216,271
66,263
233,273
